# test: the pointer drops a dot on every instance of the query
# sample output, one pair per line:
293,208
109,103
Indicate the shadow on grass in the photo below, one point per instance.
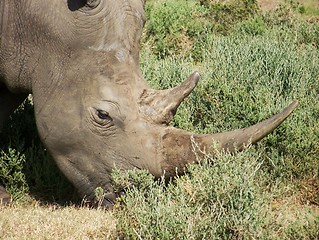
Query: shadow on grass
26,168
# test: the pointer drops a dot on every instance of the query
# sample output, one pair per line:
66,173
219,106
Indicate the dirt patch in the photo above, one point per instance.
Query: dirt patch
267,5
309,193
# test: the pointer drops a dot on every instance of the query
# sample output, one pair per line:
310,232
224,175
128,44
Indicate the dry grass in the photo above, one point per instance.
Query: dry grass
266,5
55,222
287,211
311,6
289,218
34,221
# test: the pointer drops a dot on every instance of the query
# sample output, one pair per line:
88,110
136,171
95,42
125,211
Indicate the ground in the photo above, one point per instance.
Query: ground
267,5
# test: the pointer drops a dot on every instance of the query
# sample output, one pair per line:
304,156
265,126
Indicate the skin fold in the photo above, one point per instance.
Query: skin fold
94,110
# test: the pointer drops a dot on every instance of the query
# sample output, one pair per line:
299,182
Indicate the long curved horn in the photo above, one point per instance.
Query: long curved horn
237,139
177,145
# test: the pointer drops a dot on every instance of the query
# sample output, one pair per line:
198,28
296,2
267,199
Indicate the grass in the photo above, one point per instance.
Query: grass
250,70
55,222
306,7
311,7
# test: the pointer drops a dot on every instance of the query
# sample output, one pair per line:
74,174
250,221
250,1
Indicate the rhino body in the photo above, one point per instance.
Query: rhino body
94,110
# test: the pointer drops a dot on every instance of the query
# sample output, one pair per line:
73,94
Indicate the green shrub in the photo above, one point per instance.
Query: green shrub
220,201
308,33
204,204
226,14
11,173
254,26
173,27
285,15
25,165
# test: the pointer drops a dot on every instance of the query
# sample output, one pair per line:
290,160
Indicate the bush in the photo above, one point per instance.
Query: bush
173,27
285,14
220,201
254,26
182,26
226,14
11,172
26,166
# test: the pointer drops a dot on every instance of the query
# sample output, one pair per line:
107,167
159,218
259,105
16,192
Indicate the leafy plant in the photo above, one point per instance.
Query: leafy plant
226,14
222,201
254,26
174,27
25,165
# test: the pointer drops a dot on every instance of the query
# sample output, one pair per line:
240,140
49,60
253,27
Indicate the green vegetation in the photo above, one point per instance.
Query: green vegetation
25,165
253,63
309,8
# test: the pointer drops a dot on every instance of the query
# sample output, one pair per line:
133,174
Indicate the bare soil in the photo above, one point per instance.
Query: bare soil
267,5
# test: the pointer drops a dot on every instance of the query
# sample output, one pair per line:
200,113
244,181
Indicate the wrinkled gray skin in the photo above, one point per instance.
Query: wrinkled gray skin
93,108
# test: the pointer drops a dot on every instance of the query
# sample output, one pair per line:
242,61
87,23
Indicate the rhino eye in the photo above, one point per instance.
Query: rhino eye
103,114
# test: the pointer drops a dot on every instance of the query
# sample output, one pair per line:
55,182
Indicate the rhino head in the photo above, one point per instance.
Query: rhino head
94,110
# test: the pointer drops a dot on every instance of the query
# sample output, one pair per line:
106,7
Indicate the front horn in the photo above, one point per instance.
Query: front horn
177,145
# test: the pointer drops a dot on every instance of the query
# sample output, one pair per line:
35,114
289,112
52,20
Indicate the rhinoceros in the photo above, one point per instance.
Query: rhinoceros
94,110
